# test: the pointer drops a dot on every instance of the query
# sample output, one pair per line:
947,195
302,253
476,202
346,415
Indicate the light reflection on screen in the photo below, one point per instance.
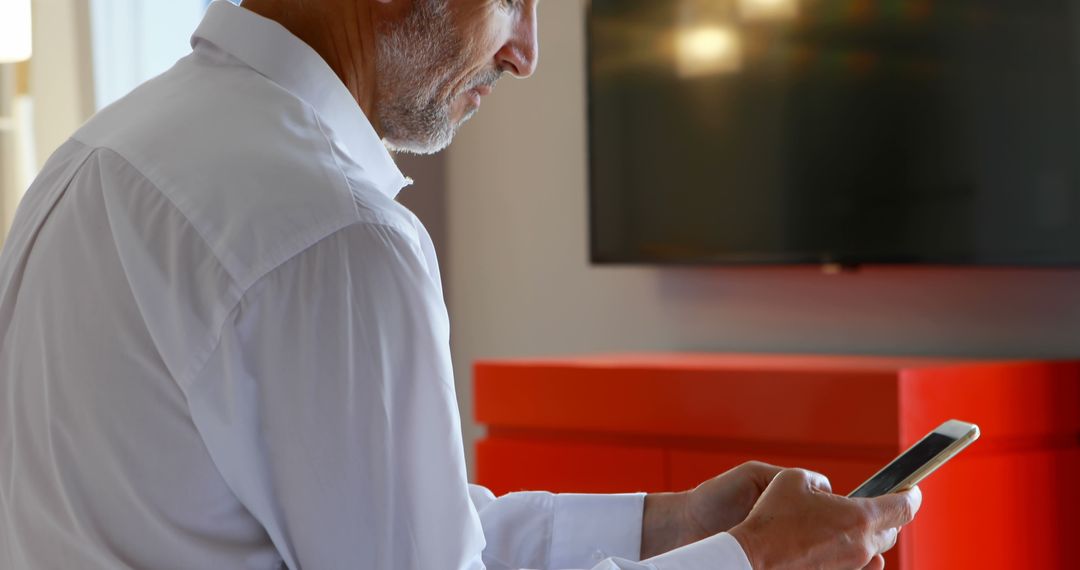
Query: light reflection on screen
904,466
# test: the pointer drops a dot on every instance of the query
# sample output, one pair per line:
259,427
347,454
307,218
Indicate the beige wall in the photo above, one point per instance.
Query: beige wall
520,283
61,81
7,144
54,97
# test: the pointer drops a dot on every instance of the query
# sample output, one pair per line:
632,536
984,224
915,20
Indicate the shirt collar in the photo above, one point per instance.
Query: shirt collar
272,51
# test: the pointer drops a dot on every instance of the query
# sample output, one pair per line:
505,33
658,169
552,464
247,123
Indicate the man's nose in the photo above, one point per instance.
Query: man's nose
520,55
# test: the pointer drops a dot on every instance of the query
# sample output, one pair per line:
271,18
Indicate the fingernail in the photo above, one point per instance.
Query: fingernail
916,496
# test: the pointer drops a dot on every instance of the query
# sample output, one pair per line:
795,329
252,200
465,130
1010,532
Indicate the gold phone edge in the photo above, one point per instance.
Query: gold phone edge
927,469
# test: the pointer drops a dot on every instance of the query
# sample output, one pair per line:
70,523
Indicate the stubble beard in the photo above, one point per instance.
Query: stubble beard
415,62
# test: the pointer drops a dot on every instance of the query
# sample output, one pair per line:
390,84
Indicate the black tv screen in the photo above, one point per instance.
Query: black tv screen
835,131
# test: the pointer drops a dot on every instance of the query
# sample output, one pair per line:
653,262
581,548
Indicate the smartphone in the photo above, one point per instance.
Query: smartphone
920,460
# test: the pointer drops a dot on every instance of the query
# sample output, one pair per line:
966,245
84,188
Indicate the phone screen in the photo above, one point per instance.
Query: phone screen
903,466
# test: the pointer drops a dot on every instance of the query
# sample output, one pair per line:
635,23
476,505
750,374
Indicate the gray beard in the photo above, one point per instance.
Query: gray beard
414,61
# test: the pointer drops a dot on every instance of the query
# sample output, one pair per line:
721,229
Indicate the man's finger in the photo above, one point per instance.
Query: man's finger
818,481
763,473
884,541
767,470
896,509
876,563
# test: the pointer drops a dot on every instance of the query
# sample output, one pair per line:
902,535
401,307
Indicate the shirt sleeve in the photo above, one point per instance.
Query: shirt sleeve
544,530
719,552
602,532
329,408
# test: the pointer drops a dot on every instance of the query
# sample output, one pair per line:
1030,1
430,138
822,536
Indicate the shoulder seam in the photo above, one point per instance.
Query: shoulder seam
157,186
204,357
238,290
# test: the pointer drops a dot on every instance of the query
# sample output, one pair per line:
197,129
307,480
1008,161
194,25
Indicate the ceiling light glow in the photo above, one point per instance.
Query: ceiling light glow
707,50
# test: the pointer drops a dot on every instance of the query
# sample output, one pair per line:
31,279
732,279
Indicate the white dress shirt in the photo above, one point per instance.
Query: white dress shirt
224,345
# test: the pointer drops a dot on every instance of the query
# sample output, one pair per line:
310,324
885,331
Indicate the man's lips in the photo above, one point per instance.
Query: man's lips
477,92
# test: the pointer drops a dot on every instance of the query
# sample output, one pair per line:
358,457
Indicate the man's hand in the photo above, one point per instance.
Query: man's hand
672,520
799,523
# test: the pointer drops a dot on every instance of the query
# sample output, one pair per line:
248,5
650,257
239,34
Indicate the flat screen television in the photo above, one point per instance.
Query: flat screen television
835,131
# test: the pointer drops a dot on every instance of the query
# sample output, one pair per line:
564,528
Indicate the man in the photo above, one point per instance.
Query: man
224,344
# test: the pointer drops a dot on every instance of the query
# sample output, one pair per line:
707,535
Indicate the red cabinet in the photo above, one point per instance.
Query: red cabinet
666,422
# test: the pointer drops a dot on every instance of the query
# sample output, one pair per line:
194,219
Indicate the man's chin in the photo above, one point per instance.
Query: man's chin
431,144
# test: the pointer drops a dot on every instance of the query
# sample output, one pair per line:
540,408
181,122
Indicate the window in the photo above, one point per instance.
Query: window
134,40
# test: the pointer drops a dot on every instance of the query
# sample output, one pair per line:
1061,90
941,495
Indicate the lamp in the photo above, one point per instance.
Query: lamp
15,35
707,50
706,38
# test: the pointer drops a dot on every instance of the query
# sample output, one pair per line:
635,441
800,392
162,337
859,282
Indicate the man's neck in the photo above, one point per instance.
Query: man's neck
341,31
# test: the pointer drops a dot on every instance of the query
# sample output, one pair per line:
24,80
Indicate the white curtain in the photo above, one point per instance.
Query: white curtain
134,40
130,41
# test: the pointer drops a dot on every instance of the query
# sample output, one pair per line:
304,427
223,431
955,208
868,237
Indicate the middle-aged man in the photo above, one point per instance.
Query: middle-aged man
224,344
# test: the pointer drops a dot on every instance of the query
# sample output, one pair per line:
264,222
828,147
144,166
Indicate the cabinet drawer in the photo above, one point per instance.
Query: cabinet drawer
505,465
